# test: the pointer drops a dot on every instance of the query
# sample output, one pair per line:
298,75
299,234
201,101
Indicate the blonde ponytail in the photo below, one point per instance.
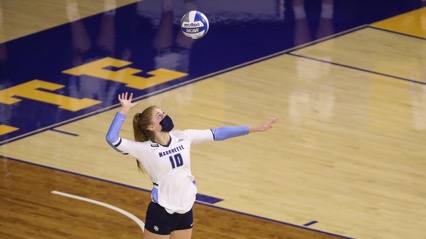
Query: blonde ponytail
141,121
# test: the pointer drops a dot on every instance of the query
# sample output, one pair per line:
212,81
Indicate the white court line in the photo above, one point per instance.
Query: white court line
129,215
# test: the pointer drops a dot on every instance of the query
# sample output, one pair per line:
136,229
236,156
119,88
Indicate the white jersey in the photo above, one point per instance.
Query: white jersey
169,167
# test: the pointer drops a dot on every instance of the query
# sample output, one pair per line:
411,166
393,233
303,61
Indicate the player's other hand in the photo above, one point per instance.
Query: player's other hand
265,126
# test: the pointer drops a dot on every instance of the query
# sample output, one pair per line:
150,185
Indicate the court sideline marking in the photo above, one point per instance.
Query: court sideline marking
125,213
291,53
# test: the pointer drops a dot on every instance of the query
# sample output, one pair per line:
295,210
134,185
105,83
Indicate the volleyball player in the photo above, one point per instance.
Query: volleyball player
164,154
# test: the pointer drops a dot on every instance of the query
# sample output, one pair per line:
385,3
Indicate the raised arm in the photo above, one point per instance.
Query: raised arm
112,136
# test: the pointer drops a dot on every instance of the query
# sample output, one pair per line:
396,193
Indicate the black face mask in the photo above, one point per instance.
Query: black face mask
166,124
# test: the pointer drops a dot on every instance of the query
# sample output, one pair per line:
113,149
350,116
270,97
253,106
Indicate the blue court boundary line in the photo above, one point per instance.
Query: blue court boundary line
309,223
148,191
395,32
333,36
352,67
63,132
358,69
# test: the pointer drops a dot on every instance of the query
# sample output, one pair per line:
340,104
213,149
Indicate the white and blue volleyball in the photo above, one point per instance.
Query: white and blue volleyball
194,24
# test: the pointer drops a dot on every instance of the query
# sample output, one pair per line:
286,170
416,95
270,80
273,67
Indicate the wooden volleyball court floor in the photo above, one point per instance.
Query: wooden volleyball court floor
42,202
61,180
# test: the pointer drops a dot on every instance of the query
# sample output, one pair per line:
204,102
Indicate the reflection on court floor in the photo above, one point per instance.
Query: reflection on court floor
346,158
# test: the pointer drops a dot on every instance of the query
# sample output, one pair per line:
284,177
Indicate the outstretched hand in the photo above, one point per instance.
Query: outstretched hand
265,126
126,102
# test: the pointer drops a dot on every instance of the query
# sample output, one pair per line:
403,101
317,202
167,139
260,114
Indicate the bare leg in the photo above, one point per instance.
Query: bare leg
149,235
181,234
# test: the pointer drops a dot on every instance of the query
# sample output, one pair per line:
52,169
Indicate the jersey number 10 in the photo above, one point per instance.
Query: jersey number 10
176,160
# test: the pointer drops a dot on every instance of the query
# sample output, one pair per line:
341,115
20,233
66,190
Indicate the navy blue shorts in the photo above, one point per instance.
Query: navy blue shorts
159,221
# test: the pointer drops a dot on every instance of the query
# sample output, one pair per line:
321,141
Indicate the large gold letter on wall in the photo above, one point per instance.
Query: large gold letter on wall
126,75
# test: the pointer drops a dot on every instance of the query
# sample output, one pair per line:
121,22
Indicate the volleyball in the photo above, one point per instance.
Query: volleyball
194,24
